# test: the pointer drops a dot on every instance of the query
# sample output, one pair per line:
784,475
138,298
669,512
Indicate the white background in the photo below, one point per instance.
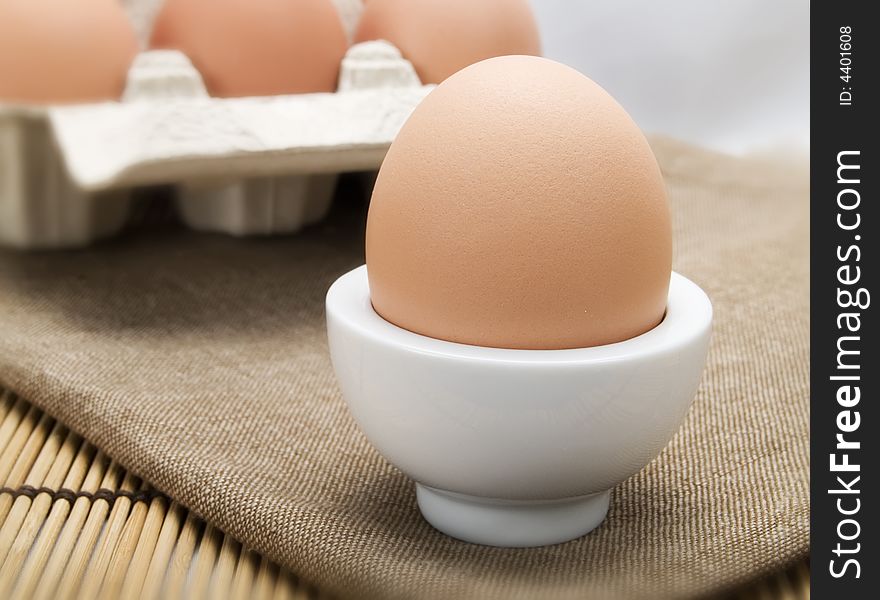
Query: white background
728,74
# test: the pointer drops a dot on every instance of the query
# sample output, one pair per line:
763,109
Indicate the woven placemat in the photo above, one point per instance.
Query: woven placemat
200,363
75,524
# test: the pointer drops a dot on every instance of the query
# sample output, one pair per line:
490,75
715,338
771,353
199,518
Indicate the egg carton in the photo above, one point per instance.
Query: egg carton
242,166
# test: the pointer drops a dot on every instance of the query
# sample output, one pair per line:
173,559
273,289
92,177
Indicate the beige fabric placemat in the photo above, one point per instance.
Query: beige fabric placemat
200,363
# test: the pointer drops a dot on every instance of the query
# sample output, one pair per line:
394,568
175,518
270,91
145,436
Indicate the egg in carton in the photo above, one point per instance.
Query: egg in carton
243,166
245,160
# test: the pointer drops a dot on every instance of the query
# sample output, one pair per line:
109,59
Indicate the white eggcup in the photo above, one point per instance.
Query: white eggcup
516,447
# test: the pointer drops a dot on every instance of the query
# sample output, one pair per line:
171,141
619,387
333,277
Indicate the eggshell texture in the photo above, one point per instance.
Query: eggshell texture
63,51
256,47
441,37
520,207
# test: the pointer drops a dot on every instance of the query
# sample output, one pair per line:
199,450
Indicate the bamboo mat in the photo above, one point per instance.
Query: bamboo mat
75,524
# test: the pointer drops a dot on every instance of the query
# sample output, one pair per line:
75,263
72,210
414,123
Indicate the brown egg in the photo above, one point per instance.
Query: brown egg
64,51
520,207
256,47
441,37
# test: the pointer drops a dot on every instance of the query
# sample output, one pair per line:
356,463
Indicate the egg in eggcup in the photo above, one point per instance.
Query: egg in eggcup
517,342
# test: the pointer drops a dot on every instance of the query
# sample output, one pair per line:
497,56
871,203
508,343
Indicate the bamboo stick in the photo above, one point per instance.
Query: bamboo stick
802,576
6,402
182,559
243,581
146,545
208,549
14,448
284,586
67,552
36,566
161,559
11,419
225,568
33,463
107,542
123,553
93,530
265,582
27,516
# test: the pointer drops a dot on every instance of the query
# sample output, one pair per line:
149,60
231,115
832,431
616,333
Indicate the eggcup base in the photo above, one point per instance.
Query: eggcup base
511,524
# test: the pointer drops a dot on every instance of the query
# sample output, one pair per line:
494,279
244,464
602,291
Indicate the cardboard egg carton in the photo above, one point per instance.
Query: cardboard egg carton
243,166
